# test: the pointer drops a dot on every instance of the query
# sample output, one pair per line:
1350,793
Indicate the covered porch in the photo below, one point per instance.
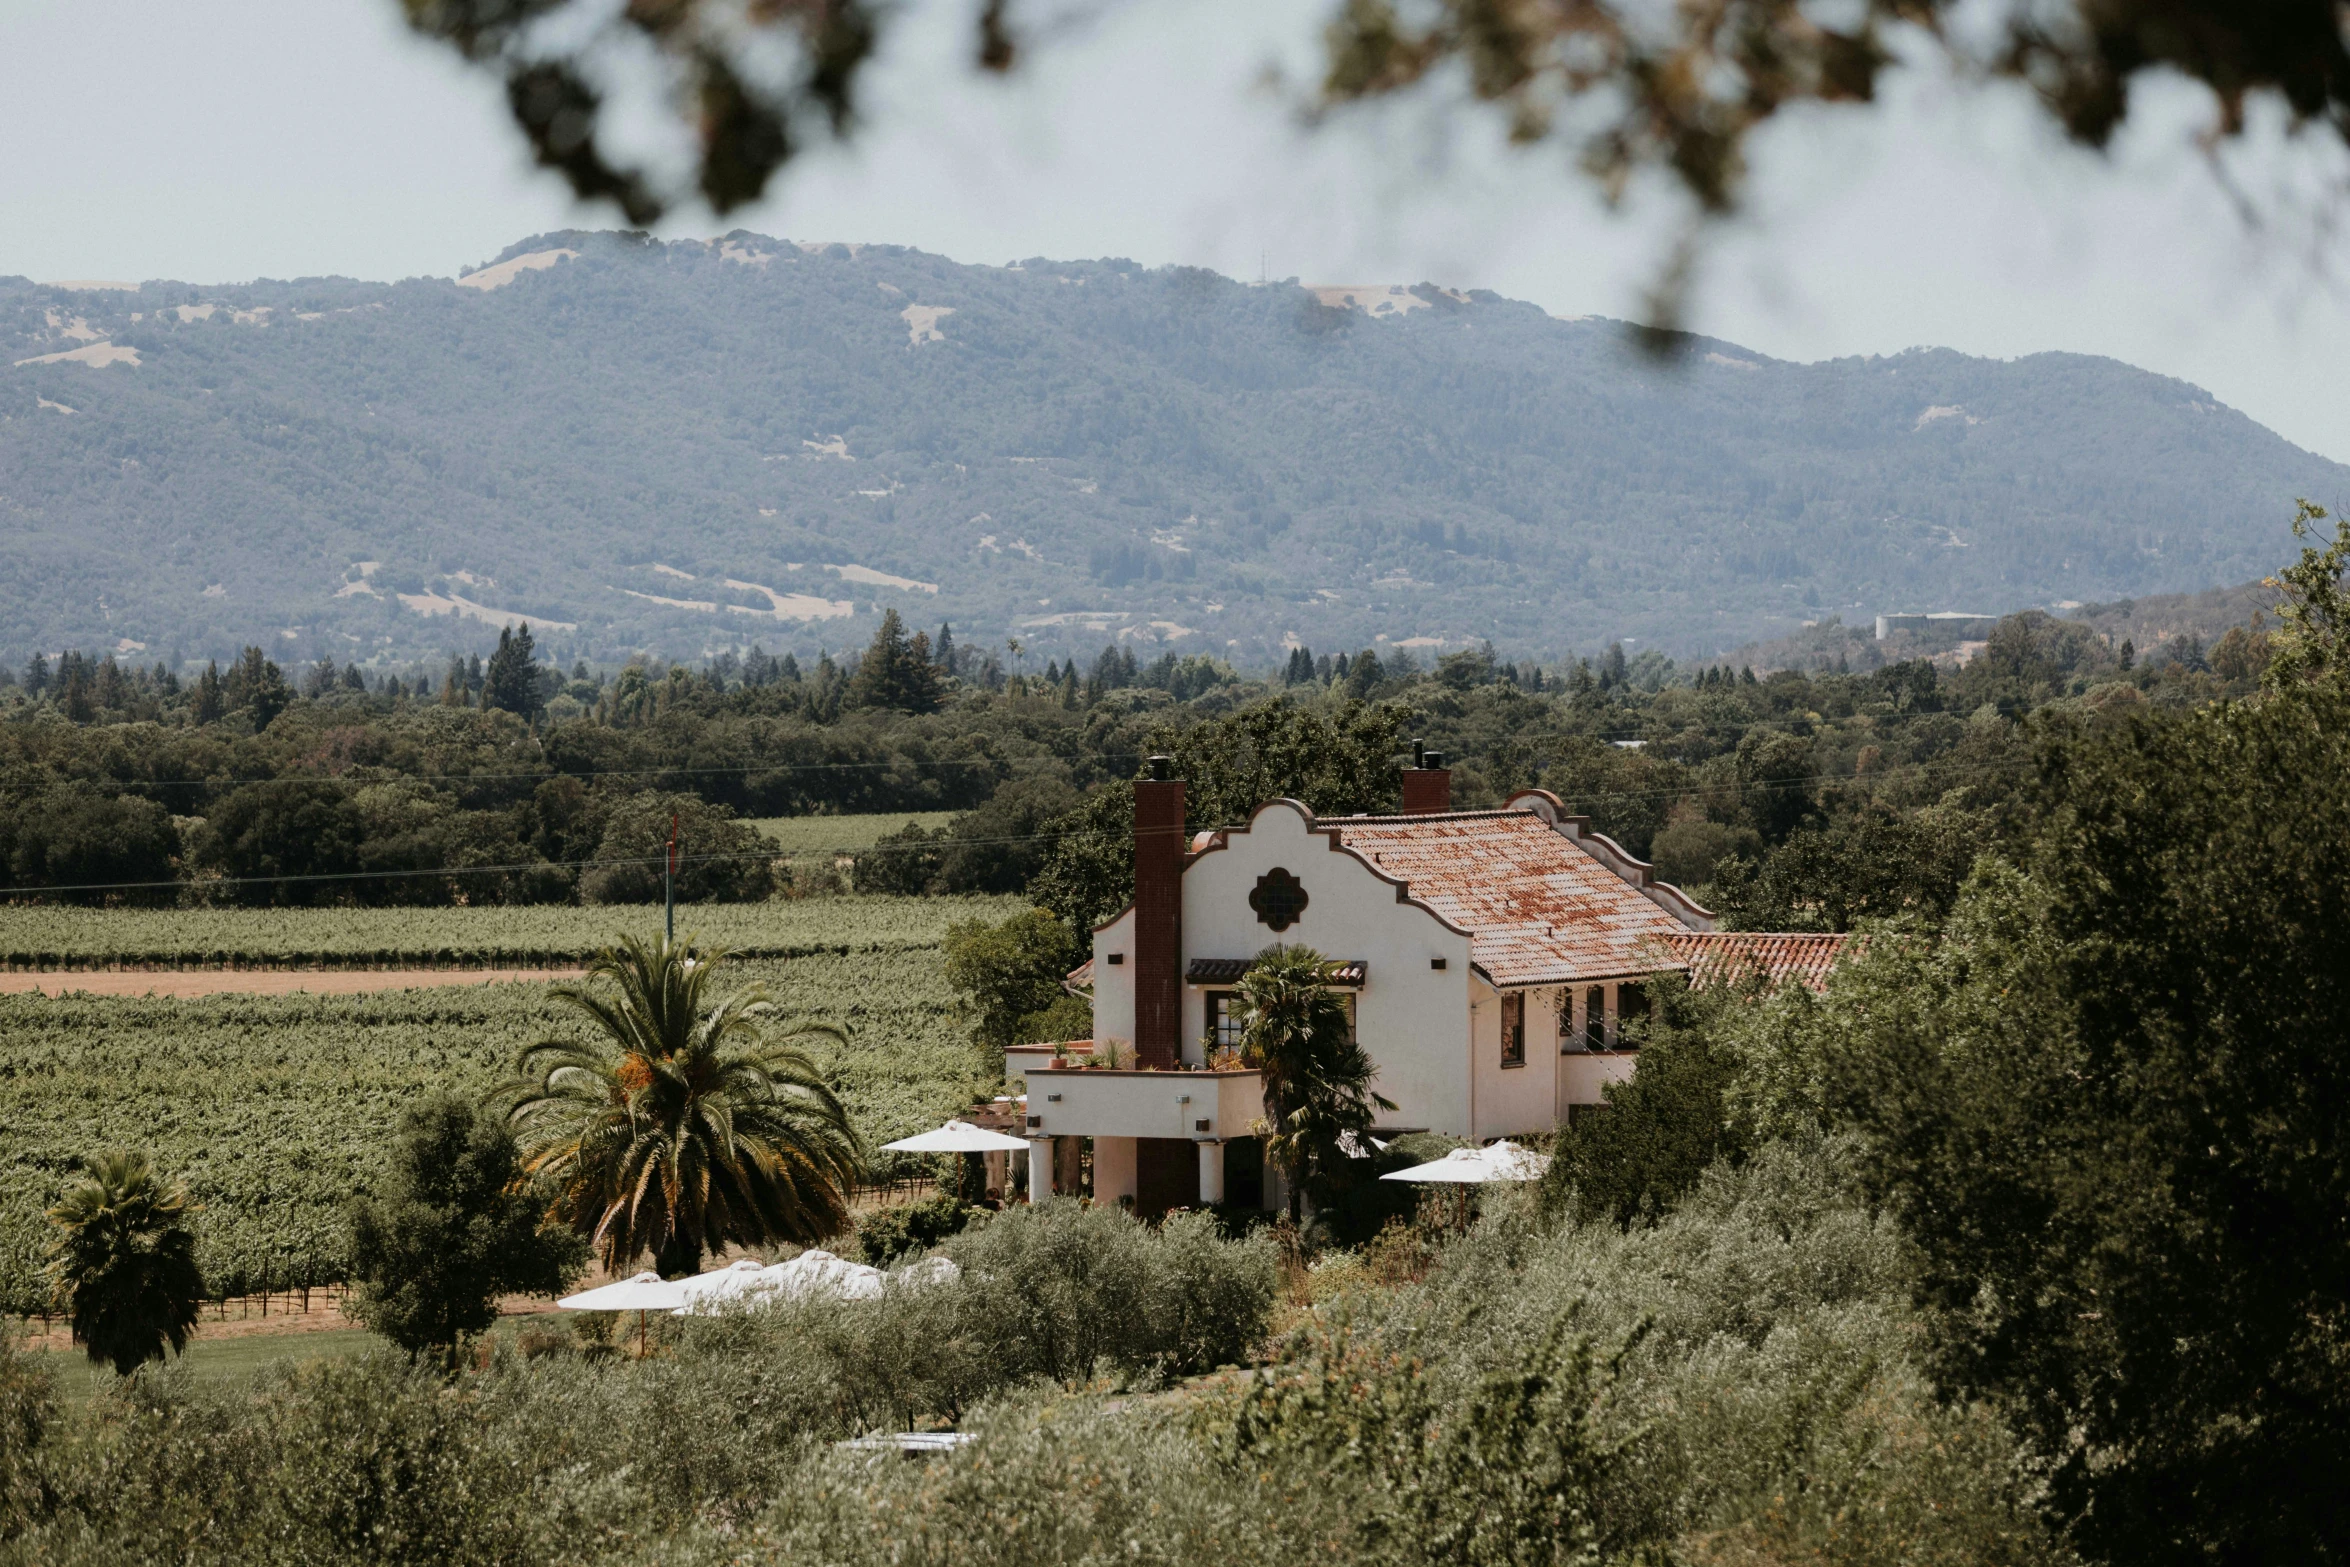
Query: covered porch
1159,1138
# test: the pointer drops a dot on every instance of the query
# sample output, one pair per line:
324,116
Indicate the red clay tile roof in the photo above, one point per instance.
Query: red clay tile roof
1725,957
1539,910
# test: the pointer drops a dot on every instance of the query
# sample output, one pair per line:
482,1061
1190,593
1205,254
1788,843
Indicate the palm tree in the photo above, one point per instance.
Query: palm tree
1296,1033
123,1266
683,1128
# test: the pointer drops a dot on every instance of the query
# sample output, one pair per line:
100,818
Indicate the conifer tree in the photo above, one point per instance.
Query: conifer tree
512,680
256,683
36,676
73,676
211,699
896,671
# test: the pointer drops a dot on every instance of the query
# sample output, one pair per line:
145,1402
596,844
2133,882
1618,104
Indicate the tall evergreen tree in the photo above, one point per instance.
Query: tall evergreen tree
1613,669
36,675
896,671
74,677
512,679
211,695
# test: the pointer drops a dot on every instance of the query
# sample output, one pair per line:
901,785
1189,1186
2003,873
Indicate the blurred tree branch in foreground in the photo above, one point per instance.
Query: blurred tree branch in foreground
1633,87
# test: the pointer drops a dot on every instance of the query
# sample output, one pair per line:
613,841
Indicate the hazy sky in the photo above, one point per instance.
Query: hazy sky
207,140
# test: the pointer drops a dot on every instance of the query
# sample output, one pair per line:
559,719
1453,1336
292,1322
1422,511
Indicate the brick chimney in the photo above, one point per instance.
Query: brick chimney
1427,783
1158,917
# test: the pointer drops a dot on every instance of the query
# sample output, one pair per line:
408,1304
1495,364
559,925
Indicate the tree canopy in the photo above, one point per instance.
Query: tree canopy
452,1231
2111,1106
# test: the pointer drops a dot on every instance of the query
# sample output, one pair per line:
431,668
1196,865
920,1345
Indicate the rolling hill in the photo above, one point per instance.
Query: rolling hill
680,447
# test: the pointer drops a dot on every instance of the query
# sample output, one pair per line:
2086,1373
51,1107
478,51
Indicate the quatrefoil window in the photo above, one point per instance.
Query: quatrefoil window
1280,900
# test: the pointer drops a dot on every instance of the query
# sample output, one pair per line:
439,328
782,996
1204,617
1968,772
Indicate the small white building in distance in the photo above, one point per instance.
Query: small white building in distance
1492,959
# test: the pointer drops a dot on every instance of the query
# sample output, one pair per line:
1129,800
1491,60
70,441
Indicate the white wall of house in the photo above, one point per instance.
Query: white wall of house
1409,1015
1113,983
1513,1101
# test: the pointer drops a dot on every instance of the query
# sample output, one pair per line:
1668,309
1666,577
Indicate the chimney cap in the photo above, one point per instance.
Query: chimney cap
1419,753
1161,767
1433,761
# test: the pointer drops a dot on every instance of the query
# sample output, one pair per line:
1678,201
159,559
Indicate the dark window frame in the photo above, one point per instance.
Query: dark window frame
1513,1028
1220,1026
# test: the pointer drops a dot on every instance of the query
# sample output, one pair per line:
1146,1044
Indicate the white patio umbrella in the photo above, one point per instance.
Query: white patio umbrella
959,1137
1504,1161
647,1291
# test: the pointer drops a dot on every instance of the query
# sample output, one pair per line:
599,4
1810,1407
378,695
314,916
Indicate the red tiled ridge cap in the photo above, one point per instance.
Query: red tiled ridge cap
1727,957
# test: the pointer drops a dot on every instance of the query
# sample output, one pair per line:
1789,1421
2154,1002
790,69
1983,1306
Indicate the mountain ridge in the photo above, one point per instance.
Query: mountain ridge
678,446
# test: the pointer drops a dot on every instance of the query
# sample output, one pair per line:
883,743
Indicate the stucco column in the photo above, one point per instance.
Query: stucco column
1040,1168
1211,1173
1113,1169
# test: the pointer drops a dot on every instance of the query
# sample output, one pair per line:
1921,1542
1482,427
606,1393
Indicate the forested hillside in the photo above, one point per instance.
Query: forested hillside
680,448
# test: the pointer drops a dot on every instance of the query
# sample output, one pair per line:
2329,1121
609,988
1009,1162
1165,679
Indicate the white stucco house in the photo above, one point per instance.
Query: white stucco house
1493,958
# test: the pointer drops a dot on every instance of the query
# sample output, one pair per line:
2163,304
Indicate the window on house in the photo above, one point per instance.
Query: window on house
1223,1025
1513,1028
1631,1015
1590,1004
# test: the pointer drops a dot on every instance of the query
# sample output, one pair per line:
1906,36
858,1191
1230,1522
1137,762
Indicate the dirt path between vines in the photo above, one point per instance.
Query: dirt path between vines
266,982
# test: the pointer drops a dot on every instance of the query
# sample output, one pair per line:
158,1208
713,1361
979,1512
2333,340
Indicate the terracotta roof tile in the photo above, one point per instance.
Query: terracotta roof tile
1726,957
1539,910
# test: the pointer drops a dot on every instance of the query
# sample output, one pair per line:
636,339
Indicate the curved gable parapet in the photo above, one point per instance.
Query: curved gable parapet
1335,842
1541,802
1680,905
1637,874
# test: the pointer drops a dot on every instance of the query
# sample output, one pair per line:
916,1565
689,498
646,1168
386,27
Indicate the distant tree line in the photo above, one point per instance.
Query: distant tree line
1795,800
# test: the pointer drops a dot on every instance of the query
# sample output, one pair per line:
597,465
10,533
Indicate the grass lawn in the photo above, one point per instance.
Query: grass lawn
210,1362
